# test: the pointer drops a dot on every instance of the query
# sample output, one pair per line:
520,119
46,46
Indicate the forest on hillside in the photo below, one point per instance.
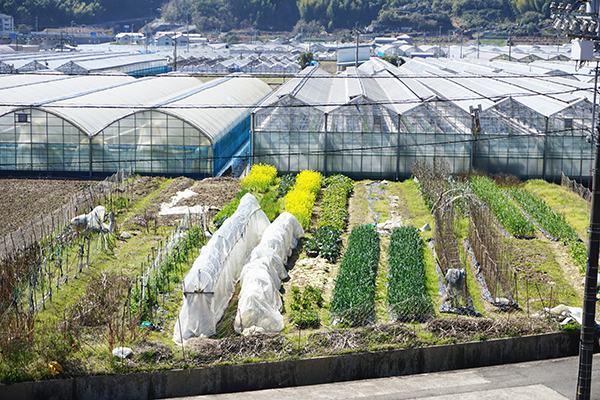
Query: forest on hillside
527,16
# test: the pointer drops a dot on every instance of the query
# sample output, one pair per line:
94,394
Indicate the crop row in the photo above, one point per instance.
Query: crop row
334,210
260,178
300,200
504,210
354,292
407,292
554,223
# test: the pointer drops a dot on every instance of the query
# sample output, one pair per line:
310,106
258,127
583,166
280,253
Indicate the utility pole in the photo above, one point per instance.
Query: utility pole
583,24
174,54
439,42
510,43
357,32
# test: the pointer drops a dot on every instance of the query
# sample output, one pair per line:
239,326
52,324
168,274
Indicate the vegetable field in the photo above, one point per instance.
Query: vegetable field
368,274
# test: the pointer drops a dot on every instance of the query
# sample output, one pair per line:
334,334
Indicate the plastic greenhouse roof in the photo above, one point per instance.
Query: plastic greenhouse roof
461,83
218,106
19,80
95,111
114,62
313,92
50,90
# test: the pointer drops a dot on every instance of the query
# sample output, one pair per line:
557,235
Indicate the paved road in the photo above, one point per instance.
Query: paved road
544,380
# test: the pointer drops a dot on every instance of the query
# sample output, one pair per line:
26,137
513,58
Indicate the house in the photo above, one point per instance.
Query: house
129,37
7,23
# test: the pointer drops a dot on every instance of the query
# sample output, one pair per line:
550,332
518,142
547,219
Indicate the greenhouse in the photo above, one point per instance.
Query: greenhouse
375,121
94,125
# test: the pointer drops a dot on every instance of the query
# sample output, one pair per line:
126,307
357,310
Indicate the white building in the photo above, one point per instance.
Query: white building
347,56
7,23
129,37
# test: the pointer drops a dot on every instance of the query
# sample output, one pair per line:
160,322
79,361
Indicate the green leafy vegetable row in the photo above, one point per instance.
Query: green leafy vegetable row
325,241
229,209
354,292
334,207
554,223
504,210
407,294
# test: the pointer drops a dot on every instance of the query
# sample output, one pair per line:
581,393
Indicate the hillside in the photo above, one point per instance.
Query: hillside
521,16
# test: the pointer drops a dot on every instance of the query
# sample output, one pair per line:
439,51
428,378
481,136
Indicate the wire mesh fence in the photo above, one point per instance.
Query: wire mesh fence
49,224
575,187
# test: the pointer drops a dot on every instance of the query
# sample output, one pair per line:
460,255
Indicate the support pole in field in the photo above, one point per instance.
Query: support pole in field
583,25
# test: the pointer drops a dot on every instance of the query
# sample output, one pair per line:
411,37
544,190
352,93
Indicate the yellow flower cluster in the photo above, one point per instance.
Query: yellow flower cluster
309,181
260,178
300,200
300,204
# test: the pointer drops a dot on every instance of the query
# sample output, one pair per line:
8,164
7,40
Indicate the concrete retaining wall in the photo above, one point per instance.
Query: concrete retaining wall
232,378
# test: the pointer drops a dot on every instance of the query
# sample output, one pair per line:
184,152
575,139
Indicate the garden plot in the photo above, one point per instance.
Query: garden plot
85,349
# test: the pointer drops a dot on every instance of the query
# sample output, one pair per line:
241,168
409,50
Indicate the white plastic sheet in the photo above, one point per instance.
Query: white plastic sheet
92,221
279,238
210,284
259,302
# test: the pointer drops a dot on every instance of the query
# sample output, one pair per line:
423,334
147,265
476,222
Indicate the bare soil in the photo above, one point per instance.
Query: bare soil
24,199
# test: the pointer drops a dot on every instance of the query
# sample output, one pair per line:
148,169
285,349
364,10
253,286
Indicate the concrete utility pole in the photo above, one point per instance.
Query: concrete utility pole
357,32
584,24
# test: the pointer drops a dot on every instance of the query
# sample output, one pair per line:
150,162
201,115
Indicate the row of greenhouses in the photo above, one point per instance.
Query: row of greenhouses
95,125
375,121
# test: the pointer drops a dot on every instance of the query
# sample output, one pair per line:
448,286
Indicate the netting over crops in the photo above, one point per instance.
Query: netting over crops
377,120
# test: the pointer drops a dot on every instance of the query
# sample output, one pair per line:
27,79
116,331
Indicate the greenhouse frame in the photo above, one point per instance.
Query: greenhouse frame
374,122
95,125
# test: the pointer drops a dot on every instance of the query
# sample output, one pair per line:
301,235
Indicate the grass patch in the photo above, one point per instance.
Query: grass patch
358,206
539,276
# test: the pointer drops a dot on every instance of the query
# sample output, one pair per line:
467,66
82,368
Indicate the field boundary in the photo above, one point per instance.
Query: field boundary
310,371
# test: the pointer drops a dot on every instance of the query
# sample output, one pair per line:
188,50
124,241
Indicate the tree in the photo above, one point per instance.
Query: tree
397,61
304,59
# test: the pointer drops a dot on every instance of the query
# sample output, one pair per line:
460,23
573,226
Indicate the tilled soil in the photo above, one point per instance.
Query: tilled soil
24,199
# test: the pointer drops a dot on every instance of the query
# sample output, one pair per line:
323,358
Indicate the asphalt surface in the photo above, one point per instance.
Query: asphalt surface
544,380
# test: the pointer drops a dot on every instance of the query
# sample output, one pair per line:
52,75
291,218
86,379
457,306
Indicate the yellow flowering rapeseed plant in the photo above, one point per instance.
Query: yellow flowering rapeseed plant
309,181
259,179
300,204
300,200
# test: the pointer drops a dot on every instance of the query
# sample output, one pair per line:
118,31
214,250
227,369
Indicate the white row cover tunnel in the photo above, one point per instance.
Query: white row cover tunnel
246,236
